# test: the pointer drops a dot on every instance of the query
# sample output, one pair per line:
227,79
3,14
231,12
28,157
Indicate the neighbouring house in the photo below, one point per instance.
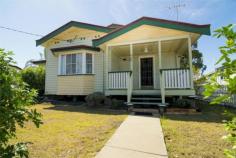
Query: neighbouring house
41,62
144,57
17,68
221,81
32,62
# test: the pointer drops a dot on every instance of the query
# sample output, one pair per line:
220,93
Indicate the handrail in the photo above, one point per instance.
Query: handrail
120,71
174,69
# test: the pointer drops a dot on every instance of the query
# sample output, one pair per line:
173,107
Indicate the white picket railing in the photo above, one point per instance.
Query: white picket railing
176,78
119,79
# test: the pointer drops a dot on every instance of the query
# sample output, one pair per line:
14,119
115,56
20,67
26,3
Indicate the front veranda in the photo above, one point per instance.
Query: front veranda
157,67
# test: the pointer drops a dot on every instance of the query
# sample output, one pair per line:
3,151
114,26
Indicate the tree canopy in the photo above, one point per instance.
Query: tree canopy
35,78
15,102
228,73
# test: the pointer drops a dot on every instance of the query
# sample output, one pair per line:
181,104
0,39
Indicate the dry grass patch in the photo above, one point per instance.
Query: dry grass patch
70,131
196,136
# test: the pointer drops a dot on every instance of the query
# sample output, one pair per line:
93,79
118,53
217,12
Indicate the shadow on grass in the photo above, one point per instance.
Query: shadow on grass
81,107
210,113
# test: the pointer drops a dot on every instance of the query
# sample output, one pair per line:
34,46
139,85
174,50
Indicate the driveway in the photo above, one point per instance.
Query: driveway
137,137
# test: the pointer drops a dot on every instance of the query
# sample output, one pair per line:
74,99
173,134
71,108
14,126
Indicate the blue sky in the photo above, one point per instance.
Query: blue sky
43,16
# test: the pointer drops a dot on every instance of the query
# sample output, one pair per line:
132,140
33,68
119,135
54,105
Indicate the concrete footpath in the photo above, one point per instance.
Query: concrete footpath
137,137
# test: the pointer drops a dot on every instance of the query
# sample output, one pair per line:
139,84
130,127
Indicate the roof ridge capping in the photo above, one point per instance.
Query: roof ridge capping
114,24
89,24
71,24
174,21
171,24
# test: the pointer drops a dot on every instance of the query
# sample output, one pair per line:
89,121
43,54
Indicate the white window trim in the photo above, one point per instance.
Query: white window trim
59,65
83,64
93,63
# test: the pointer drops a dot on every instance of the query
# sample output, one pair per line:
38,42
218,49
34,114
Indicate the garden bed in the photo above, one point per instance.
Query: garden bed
181,111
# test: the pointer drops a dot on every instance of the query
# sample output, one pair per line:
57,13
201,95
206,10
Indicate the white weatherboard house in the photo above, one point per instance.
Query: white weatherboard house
148,56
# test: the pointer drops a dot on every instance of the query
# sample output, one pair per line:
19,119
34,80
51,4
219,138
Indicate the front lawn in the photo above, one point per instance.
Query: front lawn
196,135
70,131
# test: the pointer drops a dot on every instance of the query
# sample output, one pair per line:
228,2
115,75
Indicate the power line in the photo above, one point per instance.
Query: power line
34,34
28,33
19,31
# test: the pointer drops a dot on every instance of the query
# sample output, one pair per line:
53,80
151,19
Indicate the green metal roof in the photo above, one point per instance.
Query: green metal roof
72,24
200,29
113,33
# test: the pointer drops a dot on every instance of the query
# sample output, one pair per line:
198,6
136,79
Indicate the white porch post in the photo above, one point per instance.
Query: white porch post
108,66
190,62
161,75
131,57
130,85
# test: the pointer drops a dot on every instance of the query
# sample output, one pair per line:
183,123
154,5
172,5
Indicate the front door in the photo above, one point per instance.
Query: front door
146,72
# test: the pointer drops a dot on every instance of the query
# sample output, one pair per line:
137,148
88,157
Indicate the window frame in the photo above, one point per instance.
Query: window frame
62,68
90,63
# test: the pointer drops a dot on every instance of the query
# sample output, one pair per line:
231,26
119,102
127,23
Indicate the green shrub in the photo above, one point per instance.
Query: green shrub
182,103
117,104
227,72
95,99
15,100
35,78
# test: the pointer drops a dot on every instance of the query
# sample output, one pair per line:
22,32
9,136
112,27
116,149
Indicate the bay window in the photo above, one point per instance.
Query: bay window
79,63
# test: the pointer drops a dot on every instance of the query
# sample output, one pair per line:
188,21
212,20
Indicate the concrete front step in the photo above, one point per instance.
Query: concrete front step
154,111
144,103
147,103
146,99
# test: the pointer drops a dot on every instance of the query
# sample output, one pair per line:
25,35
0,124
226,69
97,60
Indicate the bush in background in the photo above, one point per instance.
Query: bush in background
35,78
117,104
15,100
98,99
95,99
182,103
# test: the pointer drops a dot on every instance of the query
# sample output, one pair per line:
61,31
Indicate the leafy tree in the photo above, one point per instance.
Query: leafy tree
198,64
228,72
35,78
15,100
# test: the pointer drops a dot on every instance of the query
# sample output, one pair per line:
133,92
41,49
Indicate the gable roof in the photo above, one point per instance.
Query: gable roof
73,24
182,26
